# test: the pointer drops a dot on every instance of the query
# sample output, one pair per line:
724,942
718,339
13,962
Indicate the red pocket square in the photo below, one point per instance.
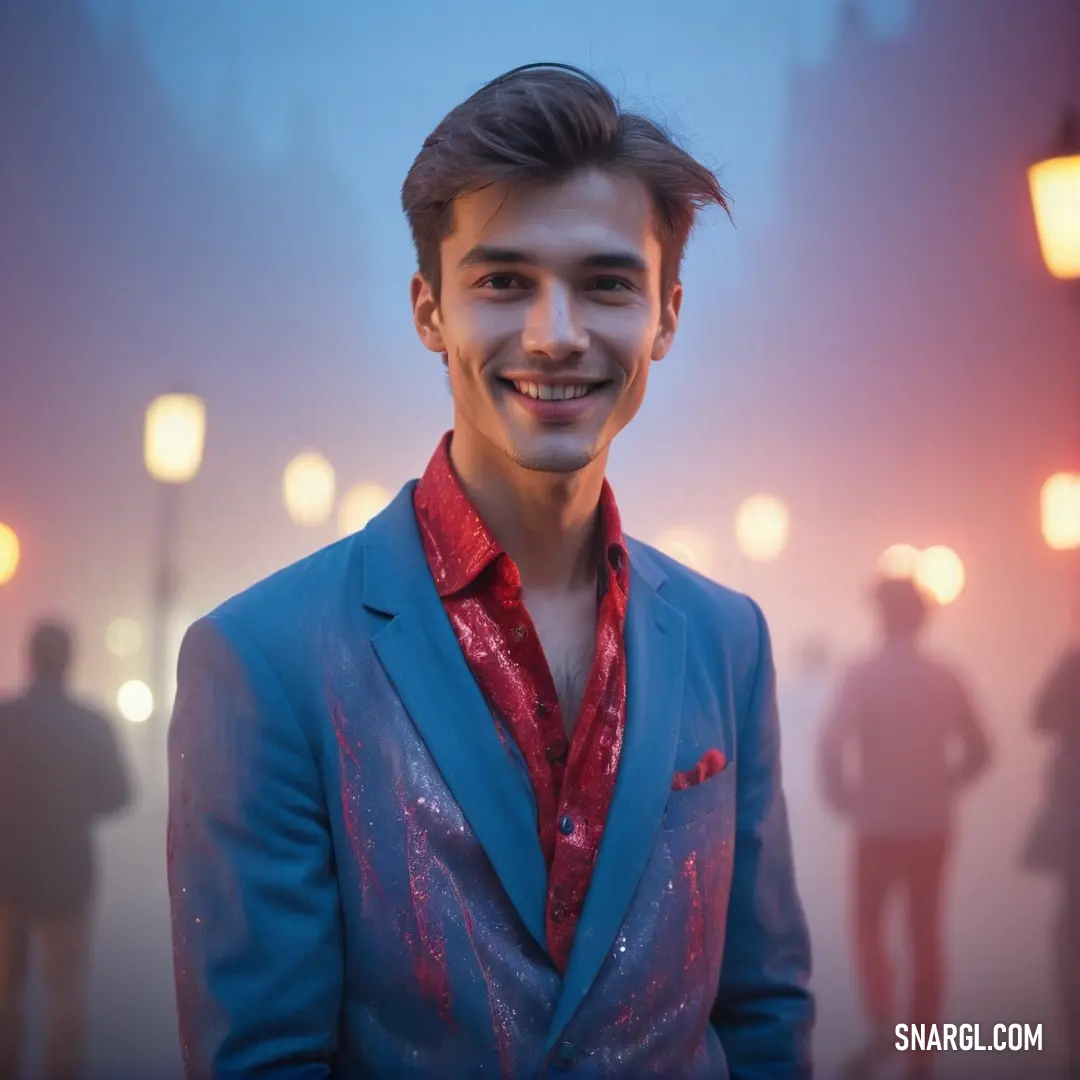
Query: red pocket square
712,762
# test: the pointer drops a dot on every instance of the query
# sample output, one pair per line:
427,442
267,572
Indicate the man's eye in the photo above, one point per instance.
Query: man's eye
499,282
610,284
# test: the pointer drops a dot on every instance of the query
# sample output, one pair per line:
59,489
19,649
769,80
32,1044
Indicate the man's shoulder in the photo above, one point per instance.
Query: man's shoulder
302,595
712,610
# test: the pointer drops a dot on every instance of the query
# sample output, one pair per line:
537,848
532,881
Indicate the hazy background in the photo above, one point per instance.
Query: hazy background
208,193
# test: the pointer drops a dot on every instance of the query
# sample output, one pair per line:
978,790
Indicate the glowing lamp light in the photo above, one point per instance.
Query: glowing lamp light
10,553
308,486
359,505
1055,199
762,527
940,572
174,436
688,546
1061,512
135,702
899,561
123,638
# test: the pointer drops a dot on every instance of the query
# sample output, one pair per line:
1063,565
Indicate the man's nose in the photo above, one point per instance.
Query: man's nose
553,325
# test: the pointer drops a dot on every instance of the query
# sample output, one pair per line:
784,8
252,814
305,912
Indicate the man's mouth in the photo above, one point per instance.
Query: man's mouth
545,391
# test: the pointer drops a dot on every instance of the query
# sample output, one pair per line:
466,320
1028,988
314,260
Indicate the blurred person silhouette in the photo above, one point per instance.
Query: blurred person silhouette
1051,847
900,743
61,770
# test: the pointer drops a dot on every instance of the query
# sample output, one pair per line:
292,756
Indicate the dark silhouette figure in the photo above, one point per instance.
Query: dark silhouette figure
60,771
1052,845
909,724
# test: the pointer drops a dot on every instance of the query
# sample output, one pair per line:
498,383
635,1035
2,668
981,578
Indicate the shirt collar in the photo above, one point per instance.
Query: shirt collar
460,546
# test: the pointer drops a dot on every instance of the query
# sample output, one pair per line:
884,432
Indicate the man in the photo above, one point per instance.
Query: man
60,771
487,789
909,722
1051,847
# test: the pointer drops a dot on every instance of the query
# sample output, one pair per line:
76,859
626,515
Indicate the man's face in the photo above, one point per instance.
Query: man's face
549,315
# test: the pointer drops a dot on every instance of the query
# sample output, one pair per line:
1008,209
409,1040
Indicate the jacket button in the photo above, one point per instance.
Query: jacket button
566,1057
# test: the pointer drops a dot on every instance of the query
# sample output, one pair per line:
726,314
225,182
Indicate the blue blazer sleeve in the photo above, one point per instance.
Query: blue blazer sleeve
764,1012
257,939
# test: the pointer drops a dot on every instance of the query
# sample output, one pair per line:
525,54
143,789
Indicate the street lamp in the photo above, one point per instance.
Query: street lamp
1061,512
307,488
1055,198
174,438
9,553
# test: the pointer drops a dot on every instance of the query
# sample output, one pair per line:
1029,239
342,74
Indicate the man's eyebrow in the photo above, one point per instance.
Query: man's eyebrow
616,260
485,256
481,255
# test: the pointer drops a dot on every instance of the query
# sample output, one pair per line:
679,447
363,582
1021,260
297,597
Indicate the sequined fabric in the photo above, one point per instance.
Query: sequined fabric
572,780
357,883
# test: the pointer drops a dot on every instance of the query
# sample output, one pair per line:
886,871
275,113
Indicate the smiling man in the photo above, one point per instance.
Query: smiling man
489,789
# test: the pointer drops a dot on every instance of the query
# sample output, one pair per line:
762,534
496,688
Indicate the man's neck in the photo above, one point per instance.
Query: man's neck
546,522
48,682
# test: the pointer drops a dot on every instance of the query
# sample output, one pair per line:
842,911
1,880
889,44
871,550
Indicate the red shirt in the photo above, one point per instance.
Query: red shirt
481,590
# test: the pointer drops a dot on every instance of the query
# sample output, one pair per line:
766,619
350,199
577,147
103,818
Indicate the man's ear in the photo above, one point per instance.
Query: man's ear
426,315
669,322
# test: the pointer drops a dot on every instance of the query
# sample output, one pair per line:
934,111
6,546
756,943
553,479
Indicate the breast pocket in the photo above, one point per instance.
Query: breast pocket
701,800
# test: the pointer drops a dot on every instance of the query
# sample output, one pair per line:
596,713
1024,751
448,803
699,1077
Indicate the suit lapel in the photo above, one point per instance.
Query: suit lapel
422,657
656,659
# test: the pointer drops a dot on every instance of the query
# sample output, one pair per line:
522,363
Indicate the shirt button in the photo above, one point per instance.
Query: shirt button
518,633
566,1057
558,911
566,824
557,752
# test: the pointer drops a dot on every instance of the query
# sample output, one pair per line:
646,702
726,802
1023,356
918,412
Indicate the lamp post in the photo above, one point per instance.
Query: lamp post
1054,182
175,434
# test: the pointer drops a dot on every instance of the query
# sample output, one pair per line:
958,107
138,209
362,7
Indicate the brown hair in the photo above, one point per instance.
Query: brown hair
540,123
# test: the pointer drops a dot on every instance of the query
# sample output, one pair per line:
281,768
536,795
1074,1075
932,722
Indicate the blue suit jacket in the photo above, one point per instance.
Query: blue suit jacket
356,878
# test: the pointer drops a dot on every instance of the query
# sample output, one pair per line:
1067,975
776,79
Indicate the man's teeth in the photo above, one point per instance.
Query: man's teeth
552,392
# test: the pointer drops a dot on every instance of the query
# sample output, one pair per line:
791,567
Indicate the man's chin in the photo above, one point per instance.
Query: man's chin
555,454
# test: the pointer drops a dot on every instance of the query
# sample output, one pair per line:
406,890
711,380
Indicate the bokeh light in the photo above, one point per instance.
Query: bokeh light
10,553
1055,198
1061,511
123,638
762,527
174,434
940,572
359,505
135,701
308,486
689,546
899,561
